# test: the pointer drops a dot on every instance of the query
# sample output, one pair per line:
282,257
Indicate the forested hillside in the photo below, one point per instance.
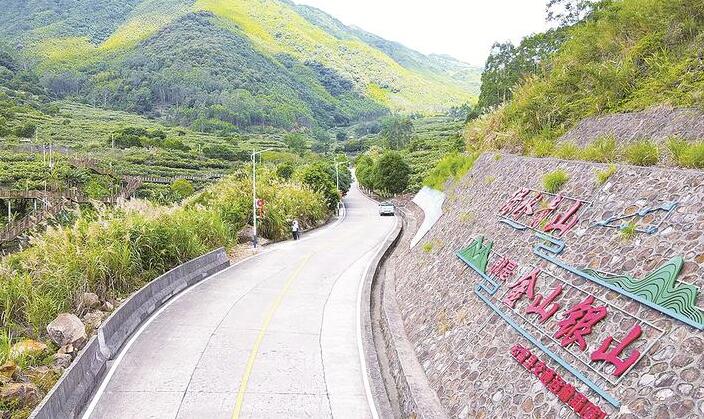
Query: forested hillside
623,55
219,65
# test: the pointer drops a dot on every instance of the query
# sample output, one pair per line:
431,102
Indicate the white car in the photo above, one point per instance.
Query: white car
387,208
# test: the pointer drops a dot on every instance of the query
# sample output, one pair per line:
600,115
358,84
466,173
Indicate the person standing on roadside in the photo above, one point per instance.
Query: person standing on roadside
295,229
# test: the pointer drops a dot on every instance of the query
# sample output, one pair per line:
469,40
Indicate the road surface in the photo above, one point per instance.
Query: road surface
273,336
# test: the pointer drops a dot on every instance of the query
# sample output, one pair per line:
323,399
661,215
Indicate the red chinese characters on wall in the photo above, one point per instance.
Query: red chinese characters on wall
544,306
579,321
524,286
563,222
514,202
544,213
503,268
529,203
621,365
564,391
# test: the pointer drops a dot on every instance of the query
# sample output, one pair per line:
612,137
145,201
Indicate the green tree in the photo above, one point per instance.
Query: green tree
285,170
26,131
182,188
296,141
507,65
391,172
397,131
364,169
318,179
570,12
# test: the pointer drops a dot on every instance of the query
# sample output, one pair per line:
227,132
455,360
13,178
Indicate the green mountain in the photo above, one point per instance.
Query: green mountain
227,65
627,55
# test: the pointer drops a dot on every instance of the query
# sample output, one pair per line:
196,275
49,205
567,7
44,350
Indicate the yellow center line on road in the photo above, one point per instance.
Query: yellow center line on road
262,332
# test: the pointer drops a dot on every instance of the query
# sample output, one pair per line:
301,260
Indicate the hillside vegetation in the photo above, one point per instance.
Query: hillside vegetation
626,55
276,64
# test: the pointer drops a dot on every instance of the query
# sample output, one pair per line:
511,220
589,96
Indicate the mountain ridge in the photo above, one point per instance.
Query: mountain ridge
319,72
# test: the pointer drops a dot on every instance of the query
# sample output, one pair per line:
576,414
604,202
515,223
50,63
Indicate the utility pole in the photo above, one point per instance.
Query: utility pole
254,193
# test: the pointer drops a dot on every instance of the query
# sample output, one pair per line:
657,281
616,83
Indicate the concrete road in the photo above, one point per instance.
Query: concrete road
272,337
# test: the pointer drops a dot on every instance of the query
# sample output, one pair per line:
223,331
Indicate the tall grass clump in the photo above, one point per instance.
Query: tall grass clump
642,153
542,147
602,150
554,181
452,166
695,155
685,153
566,151
111,255
603,175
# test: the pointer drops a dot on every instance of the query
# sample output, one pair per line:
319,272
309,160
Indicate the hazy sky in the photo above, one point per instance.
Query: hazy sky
465,29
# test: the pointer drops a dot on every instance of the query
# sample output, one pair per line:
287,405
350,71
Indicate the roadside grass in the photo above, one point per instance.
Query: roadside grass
603,175
602,150
112,252
554,181
452,166
642,153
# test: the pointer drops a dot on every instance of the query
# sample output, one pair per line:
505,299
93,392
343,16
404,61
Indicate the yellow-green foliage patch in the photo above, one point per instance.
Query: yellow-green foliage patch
603,175
554,181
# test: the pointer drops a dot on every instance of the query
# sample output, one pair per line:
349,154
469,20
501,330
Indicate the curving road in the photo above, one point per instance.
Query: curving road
273,336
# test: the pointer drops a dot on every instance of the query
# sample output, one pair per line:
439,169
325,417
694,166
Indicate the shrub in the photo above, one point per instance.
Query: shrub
451,166
26,131
175,144
566,151
285,170
554,181
220,151
642,153
602,150
427,247
96,189
603,175
182,188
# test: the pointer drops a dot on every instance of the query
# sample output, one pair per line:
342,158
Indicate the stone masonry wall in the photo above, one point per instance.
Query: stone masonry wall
464,347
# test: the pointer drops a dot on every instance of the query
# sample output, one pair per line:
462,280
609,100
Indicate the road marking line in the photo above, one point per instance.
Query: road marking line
95,399
260,336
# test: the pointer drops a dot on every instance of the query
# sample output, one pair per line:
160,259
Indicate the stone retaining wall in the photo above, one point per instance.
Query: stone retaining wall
657,124
68,397
464,347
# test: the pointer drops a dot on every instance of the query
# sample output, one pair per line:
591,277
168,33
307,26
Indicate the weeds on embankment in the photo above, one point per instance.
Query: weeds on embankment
113,252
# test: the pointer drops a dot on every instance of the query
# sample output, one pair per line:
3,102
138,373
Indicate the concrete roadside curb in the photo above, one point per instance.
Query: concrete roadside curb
75,387
416,397
377,387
